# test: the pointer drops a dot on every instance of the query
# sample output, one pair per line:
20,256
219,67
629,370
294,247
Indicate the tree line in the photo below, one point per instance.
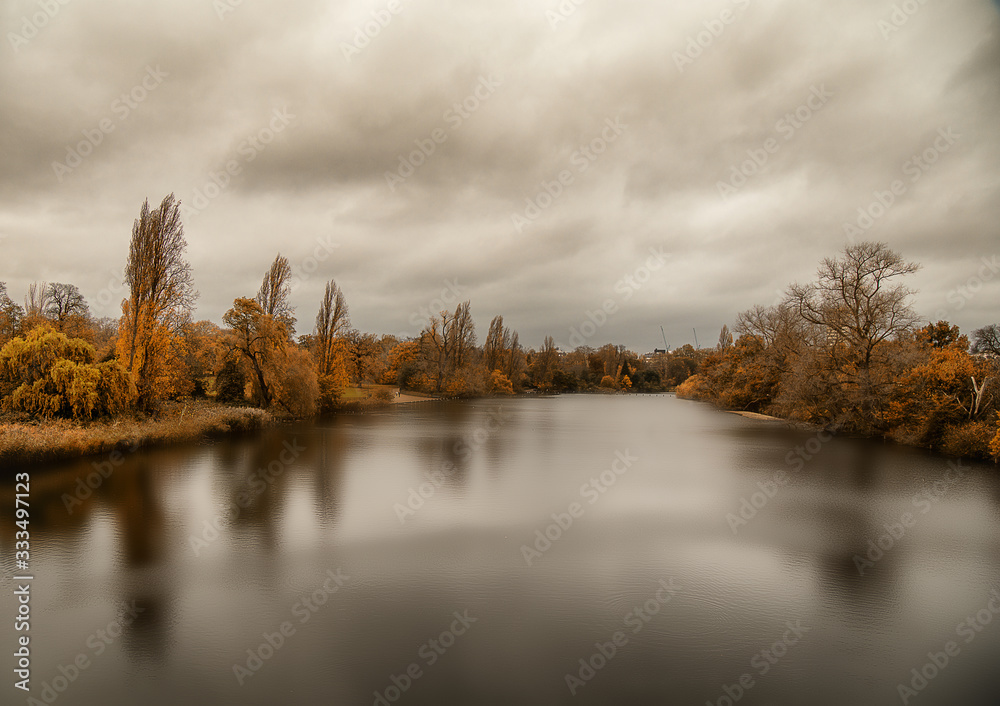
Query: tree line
56,360
847,351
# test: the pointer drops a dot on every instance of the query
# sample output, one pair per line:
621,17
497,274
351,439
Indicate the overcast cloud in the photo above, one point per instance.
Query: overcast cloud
206,84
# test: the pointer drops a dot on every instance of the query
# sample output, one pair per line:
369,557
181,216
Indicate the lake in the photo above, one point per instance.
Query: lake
551,550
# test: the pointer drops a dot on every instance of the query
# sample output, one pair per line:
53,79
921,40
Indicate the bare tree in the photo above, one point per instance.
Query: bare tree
64,301
332,322
856,308
37,300
161,291
725,339
987,340
273,294
857,301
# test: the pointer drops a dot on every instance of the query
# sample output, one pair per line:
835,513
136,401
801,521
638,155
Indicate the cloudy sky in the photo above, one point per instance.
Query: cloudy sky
530,155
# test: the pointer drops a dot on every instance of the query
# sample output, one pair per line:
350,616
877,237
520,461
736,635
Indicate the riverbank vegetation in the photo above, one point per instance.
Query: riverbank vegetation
844,351
847,351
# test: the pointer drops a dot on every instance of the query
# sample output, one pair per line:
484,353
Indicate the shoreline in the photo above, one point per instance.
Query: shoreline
34,443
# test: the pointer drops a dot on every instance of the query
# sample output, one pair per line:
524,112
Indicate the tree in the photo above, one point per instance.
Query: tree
544,364
259,340
273,294
11,315
447,344
161,294
64,301
856,306
987,340
47,374
461,336
497,343
857,302
37,299
332,322
725,339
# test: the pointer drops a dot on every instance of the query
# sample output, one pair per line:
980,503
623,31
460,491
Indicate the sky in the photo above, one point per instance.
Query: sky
590,170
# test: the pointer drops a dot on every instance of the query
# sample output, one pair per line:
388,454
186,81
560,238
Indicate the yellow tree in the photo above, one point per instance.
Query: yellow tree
161,295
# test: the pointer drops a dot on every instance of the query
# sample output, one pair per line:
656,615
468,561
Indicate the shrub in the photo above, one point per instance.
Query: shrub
383,394
969,439
500,384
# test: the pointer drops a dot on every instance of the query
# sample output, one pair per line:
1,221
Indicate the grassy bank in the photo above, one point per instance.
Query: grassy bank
24,442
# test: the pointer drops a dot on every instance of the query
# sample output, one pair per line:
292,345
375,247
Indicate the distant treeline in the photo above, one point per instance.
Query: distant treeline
848,352
56,360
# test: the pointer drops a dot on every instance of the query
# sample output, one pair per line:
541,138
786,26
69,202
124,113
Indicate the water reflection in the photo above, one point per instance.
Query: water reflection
218,544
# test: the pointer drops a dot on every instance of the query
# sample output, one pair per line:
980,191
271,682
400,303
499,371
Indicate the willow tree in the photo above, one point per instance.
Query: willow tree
273,294
161,294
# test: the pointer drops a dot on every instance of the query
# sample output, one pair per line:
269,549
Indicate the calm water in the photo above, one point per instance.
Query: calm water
180,562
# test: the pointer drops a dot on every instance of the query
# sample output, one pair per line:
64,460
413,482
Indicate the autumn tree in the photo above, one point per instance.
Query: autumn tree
259,341
47,374
544,364
11,315
273,294
161,295
333,321
857,305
